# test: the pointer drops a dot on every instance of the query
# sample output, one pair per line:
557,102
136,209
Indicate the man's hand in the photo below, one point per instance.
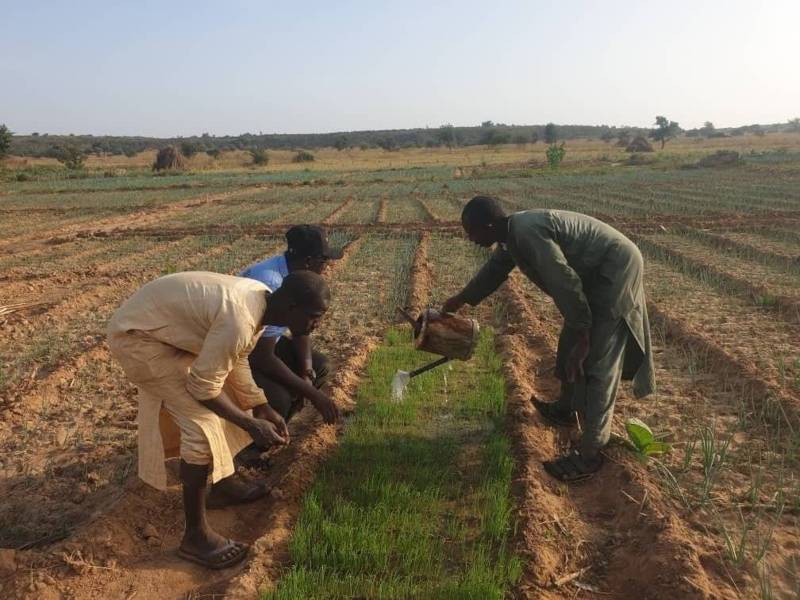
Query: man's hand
266,412
452,304
577,356
265,434
326,407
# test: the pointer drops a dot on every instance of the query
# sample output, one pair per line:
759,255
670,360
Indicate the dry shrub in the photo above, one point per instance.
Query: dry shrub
639,144
168,158
303,156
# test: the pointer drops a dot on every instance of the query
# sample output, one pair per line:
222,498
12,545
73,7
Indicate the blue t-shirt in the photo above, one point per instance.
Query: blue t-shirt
270,272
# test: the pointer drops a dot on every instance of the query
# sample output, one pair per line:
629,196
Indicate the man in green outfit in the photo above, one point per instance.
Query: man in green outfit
594,275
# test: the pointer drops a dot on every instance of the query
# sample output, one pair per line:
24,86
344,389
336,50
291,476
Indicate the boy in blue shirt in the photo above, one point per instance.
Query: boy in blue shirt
288,369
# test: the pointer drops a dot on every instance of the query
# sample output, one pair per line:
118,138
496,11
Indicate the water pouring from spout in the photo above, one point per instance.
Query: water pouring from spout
399,384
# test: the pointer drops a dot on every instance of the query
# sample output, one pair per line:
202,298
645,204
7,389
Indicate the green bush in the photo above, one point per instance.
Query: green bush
555,154
70,155
259,156
189,149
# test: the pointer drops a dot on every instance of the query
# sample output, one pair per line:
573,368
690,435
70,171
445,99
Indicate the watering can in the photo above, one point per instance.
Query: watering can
450,336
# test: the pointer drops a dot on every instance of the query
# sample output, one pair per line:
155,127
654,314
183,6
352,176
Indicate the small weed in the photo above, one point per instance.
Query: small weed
736,544
713,453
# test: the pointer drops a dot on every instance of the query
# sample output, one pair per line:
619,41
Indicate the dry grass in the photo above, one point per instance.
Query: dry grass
330,159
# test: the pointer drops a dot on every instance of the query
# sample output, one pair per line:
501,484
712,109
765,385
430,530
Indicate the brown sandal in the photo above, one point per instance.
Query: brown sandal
573,467
553,416
228,555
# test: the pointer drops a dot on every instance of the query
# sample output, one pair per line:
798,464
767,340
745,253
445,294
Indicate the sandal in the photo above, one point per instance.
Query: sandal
552,415
252,457
248,492
573,467
222,558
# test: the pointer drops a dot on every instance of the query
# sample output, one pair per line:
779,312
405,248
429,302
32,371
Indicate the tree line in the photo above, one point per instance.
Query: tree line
488,133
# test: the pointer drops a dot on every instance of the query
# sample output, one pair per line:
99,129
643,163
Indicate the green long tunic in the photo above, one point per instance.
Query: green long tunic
592,272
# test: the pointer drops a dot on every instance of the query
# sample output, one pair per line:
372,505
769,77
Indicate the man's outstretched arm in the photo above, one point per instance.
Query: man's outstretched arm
490,277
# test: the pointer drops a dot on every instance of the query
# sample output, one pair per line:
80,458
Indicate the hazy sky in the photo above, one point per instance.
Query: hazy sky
182,68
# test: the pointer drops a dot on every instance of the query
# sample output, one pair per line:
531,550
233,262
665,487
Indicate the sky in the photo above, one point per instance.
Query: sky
183,68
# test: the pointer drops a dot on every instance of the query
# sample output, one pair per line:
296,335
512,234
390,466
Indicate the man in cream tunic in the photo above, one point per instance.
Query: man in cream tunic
184,341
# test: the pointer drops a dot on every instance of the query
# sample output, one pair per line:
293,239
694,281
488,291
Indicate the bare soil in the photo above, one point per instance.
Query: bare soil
615,535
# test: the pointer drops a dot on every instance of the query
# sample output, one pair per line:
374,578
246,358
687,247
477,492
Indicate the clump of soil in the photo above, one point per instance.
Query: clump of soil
168,158
639,144
720,158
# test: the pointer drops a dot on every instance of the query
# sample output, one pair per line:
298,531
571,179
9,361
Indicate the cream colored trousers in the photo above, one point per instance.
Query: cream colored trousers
170,421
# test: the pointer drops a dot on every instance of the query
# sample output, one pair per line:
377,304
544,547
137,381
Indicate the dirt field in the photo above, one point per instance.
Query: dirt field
715,518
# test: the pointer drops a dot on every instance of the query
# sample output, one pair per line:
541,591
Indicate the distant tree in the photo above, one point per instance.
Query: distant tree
213,153
623,138
259,156
5,140
550,133
35,134
340,143
708,129
487,124
69,155
794,124
607,136
129,152
446,134
363,146
388,143
189,149
495,137
555,154
665,130
520,140
534,137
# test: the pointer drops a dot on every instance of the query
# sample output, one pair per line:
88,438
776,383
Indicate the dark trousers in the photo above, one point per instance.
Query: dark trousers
280,398
594,395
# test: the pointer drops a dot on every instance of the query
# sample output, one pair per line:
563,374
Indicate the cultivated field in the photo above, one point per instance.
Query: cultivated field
442,496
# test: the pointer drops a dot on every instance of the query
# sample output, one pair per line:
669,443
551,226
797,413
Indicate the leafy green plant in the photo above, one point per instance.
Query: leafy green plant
555,154
642,440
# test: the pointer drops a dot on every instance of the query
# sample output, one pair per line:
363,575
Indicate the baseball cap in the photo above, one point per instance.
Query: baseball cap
310,241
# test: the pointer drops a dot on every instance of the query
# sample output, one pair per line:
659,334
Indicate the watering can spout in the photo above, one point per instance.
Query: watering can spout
449,336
